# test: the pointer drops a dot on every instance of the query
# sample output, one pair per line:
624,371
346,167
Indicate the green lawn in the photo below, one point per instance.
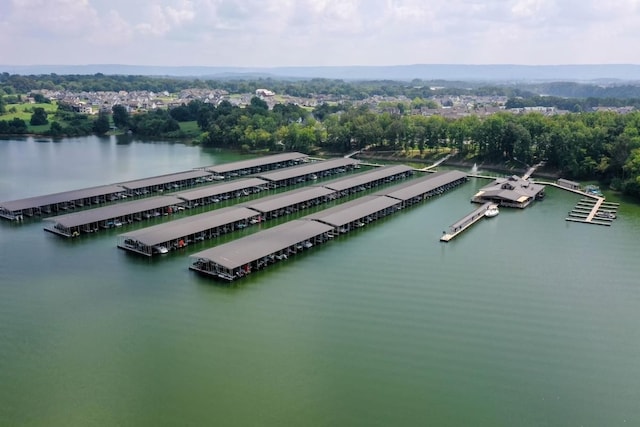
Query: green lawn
24,110
190,128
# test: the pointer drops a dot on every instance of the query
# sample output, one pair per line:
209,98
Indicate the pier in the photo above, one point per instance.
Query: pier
592,209
464,223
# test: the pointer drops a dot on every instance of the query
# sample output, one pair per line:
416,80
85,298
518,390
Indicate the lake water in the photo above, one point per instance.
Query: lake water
523,320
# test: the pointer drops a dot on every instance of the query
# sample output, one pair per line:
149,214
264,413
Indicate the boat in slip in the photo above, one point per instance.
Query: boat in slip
491,211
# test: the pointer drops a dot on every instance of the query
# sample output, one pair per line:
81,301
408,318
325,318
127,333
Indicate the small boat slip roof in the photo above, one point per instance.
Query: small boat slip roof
247,249
366,177
65,196
307,169
217,189
254,163
417,187
163,179
114,211
166,232
345,213
289,198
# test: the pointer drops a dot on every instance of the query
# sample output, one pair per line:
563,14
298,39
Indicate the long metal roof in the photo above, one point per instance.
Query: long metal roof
216,189
345,213
65,196
366,177
257,162
247,249
113,211
168,231
289,198
163,179
417,187
307,169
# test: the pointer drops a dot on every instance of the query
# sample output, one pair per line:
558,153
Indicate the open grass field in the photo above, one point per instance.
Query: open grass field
24,110
190,128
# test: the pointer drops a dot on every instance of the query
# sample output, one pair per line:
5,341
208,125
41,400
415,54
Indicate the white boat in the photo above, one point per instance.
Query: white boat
160,249
491,211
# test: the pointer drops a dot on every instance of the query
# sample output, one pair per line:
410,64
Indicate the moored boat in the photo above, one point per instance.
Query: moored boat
491,211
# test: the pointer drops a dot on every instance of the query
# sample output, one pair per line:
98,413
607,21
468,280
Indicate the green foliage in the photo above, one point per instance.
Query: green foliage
14,126
40,99
154,123
101,125
39,117
121,117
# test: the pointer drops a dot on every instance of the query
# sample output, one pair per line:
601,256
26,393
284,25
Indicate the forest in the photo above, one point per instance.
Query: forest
596,145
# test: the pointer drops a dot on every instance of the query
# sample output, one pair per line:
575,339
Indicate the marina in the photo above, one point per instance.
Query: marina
240,257
287,203
382,326
179,233
367,180
308,172
92,220
217,193
214,224
52,204
257,165
420,189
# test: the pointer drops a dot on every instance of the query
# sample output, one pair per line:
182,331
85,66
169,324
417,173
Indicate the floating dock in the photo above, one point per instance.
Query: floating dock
464,223
593,210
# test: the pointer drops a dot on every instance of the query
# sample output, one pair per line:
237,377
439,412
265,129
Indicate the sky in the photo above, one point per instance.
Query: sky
270,33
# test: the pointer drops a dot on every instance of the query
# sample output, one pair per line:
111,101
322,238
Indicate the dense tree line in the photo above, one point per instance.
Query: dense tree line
597,145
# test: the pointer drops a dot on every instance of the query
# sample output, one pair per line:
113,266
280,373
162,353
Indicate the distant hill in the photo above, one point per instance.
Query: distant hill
603,73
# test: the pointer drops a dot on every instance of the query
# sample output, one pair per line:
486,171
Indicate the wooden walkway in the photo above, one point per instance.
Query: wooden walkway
464,223
588,211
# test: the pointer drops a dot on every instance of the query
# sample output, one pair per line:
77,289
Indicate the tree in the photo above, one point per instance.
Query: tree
55,129
101,125
121,117
39,117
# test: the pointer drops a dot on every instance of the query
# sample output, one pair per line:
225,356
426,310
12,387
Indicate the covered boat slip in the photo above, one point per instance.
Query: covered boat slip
240,257
172,182
291,201
57,202
112,216
179,233
218,192
426,187
370,179
356,213
311,171
260,164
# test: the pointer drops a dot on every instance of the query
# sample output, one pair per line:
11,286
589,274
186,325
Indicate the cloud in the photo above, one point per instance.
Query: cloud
165,18
316,32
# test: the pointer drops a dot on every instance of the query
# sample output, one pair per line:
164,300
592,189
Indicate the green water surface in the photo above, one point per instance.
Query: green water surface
523,320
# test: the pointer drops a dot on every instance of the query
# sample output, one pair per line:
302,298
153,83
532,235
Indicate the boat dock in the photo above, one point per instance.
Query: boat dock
464,223
240,257
594,210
